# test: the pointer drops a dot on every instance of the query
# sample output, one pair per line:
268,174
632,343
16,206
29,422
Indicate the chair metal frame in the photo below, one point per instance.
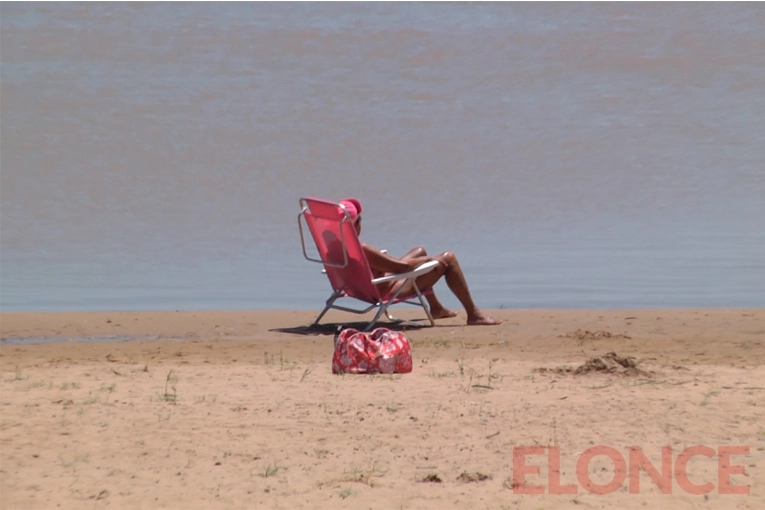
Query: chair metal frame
375,300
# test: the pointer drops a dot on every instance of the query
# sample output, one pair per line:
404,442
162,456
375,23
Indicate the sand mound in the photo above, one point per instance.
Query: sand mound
610,363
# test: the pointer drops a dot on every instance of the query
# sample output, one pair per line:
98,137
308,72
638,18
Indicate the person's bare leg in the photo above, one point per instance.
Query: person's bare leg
437,310
455,279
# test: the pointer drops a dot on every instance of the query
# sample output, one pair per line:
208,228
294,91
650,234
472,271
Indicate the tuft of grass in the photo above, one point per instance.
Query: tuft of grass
285,363
364,476
271,470
110,388
38,384
83,458
307,371
17,376
473,477
170,382
347,492
709,394
490,377
439,375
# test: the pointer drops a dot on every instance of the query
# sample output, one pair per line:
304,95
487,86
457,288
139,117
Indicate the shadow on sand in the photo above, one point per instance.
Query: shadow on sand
330,328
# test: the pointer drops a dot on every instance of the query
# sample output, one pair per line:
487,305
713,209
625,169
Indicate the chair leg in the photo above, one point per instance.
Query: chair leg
382,309
426,307
330,301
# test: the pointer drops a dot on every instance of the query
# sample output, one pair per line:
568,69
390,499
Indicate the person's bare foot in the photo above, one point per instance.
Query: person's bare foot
483,320
442,313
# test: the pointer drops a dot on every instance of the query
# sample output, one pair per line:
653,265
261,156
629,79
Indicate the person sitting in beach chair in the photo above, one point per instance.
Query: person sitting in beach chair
383,264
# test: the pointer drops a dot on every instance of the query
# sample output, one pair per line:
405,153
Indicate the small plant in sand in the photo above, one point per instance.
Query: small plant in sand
285,363
170,383
307,371
491,376
439,375
84,458
64,422
709,394
271,470
110,388
36,385
473,477
393,407
160,414
17,376
347,492
364,476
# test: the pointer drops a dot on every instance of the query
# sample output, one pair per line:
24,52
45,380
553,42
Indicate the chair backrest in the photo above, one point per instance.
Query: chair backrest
339,248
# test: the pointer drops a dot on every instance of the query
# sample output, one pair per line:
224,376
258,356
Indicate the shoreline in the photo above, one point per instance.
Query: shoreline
239,409
549,334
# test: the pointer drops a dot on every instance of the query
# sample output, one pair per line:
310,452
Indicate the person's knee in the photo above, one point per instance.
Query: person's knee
447,258
419,251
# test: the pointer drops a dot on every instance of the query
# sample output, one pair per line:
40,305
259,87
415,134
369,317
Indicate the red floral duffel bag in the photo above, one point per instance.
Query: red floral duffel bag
380,352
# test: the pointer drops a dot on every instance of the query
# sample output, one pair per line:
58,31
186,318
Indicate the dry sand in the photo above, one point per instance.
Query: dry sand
223,410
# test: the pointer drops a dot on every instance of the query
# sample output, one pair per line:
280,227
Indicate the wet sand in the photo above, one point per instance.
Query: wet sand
241,410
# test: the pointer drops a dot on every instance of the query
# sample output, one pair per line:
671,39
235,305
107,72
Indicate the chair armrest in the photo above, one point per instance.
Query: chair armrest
324,271
419,270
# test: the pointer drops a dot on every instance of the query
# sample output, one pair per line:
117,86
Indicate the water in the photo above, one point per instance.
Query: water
572,155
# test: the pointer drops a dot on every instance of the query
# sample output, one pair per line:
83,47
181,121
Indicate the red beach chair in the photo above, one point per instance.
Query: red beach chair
346,265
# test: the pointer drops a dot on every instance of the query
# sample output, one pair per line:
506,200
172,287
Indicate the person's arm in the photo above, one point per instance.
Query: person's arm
384,263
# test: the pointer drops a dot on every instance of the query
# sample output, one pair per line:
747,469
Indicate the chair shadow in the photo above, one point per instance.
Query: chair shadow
330,328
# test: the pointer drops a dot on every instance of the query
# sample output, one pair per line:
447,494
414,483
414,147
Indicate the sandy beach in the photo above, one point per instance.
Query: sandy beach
241,410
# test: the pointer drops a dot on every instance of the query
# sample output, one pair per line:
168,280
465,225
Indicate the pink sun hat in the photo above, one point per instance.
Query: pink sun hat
352,205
